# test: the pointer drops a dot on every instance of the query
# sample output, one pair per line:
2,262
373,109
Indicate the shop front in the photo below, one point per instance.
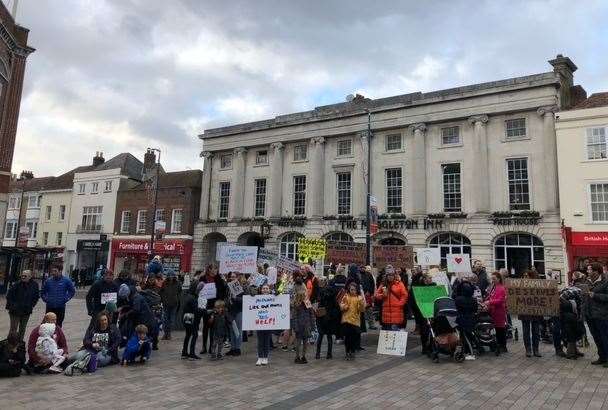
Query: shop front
132,255
583,248
91,253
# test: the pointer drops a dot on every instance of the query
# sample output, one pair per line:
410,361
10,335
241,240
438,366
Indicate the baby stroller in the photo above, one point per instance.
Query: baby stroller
445,338
485,333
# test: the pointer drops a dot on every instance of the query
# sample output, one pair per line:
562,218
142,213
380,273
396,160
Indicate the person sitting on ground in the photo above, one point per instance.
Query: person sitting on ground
138,346
46,347
39,364
134,311
12,356
101,340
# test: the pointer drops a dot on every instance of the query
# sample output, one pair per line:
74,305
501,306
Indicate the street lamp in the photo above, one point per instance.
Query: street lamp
156,183
368,238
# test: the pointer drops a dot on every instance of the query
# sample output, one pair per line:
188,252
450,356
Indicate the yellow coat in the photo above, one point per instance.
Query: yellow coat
352,307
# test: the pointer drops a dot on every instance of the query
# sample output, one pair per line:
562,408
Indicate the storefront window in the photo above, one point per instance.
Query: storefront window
450,243
519,252
289,245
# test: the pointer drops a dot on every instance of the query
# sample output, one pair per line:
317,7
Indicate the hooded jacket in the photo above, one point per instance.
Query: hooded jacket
392,304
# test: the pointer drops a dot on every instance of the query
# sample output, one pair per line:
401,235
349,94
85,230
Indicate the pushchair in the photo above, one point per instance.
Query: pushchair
485,333
445,338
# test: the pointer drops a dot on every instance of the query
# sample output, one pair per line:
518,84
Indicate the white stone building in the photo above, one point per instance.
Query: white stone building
470,169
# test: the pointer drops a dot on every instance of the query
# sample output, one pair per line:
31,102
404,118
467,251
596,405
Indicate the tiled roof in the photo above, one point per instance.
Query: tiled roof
188,179
128,164
595,100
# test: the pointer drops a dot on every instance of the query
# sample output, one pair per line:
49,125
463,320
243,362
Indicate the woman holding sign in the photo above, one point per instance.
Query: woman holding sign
496,303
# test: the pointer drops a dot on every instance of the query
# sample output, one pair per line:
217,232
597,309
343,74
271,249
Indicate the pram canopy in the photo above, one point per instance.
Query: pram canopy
445,307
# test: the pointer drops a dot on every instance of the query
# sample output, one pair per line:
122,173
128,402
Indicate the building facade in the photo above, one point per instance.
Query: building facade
471,169
582,152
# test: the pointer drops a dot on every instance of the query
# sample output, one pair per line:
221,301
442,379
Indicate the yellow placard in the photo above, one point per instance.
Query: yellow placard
314,249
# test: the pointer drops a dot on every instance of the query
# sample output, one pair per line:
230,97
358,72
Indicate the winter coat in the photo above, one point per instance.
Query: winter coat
141,312
467,308
392,304
154,301
31,343
93,298
108,339
312,287
22,297
170,293
330,322
154,267
596,307
367,281
352,307
304,321
18,357
482,280
56,292
220,287
497,306
221,325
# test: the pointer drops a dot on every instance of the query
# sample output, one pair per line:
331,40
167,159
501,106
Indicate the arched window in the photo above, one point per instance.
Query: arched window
289,245
449,242
338,237
518,252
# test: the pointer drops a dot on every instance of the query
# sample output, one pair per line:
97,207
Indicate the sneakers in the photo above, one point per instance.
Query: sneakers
469,357
55,369
265,361
285,348
259,362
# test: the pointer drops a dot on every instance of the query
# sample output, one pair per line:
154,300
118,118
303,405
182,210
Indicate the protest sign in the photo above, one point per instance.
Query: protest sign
219,248
257,279
441,279
209,291
428,256
271,273
425,298
393,343
288,265
400,256
311,249
267,256
266,312
345,253
186,283
109,297
235,288
459,263
538,297
242,259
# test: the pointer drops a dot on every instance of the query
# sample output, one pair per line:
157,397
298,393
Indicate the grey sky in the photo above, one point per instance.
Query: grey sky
121,75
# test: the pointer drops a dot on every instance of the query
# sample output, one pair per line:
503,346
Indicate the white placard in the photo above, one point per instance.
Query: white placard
271,273
109,297
392,343
209,291
257,279
267,256
235,288
241,259
441,278
428,256
459,263
287,264
266,312
219,249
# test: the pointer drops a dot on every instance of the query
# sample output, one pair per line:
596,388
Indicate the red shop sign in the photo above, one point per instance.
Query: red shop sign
590,238
173,247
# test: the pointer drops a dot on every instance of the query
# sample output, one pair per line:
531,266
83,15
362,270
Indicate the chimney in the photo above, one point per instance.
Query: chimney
564,68
26,175
98,159
149,159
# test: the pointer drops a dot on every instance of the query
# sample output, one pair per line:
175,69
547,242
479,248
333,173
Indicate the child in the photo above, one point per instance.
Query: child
304,320
137,346
264,337
46,347
352,306
221,324
467,309
191,321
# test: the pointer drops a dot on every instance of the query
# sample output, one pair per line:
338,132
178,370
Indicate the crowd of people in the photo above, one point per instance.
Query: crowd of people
128,316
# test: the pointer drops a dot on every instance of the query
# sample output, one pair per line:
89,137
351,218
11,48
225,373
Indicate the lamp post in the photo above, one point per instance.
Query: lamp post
156,183
368,238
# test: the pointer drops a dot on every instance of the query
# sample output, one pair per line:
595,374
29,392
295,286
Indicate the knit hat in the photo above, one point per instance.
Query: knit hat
124,291
46,329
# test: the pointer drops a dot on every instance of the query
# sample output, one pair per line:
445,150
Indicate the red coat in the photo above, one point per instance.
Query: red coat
31,342
392,304
497,305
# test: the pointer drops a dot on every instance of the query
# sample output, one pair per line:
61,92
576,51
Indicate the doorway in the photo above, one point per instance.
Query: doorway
518,252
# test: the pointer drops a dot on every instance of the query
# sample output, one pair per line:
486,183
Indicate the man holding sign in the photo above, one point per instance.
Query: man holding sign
102,292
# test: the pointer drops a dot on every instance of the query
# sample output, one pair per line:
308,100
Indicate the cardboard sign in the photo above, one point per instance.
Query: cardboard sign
392,343
266,312
109,297
428,256
242,259
235,288
209,291
267,256
425,298
271,273
346,253
288,265
459,263
400,256
538,297
311,249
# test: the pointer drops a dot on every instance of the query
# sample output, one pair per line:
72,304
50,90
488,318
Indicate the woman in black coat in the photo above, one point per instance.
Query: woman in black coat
328,316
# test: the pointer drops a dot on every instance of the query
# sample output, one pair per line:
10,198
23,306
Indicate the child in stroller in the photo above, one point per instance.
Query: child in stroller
445,338
485,333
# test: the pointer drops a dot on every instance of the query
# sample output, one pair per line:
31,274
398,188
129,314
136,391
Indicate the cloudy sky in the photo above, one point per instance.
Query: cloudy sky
122,75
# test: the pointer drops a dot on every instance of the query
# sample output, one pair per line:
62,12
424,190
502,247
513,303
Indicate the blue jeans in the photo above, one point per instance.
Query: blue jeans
236,340
168,319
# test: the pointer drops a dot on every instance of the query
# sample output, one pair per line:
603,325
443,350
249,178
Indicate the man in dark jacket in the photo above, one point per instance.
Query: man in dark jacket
170,295
20,301
596,312
135,311
482,277
101,292
56,292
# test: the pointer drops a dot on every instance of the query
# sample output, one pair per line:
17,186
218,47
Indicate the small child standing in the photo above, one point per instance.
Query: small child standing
352,305
264,337
304,321
221,324
46,347
138,346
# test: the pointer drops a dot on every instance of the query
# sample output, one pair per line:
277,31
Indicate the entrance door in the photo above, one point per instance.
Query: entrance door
519,259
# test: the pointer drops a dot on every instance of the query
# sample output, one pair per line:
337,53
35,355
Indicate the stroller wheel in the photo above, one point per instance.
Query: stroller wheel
459,357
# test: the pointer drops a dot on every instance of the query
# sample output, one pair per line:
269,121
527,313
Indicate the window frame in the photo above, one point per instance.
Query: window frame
350,151
62,211
528,179
221,199
48,213
124,220
13,231
302,198
37,201
289,245
17,201
174,218
82,189
59,238
458,135
295,150
387,142
94,187
160,215
388,190
142,219
45,238
259,198
33,229
97,217
516,137
457,194
223,166
258,156
107,186
339,211
590,203
589,130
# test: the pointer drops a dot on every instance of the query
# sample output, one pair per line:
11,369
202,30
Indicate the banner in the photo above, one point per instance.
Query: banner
392,343
311,249
425,298
345,253
241,259
400,256
428,256
459,263
267,256
288,265
538,297
219,249
266,312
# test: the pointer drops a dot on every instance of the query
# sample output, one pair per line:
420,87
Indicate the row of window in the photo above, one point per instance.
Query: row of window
10,230
48,214
58,238
33,202
177,218
82,188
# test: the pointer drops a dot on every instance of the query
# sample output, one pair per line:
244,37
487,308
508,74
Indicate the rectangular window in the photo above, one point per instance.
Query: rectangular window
394,190
452,196
599,202
450,135
261,157
260,197
345,147
48,212
343,187
33,201
95,187
33,228
62,212
224,199
125,221
300,152
596,143
142,219
299,195
81,189
160,215
519,189
108,186
11,230
45,238
91,218
59,238
13,202
393,142
226,161
177,217
515,128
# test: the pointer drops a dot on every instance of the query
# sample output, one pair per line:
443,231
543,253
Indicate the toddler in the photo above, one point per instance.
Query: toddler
46,347
138,346
221,324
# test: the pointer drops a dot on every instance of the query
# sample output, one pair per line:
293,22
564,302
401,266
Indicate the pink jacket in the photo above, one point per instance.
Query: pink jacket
497,305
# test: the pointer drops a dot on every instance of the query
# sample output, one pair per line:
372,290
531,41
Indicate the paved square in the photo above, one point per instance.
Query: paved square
372,381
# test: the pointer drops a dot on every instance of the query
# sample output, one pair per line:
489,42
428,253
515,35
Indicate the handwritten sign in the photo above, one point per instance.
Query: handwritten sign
235,288
459,263
209,291
266,312
345,253
288,265
257,279
441,278
242,259
392,343
400,256
538,297
311,249
428,256
271,273
267,256
109,297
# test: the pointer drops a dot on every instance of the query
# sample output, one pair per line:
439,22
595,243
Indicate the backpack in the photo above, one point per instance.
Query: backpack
79,366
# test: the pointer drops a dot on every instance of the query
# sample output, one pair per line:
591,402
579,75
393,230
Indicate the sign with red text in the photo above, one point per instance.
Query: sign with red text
241,259
345,253
175,247
459,262
399,256
266,312
590,238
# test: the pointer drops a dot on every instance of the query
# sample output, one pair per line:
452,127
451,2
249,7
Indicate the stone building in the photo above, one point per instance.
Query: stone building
471,169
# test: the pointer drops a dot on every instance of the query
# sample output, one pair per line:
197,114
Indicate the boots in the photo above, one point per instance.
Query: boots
571,351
